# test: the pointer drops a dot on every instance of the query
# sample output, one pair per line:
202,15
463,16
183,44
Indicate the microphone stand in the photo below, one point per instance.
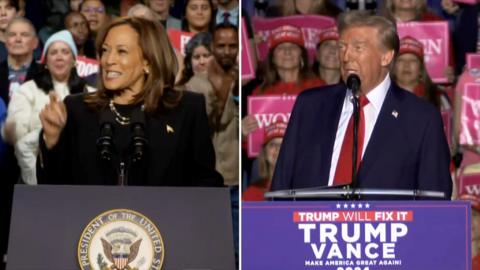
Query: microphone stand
356,119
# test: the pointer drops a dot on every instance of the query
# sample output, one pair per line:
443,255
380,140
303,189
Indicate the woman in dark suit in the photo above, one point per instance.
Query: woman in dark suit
135,110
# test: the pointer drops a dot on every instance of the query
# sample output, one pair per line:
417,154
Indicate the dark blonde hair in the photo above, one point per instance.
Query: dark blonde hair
158,91
271,76
389,9
431,89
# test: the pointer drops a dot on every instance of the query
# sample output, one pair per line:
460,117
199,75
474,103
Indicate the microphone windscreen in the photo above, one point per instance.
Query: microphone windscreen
353,83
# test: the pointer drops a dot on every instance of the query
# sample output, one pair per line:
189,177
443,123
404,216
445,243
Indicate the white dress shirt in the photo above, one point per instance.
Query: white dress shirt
370,111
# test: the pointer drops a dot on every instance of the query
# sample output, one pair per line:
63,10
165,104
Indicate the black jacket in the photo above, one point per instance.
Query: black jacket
5,82
179,151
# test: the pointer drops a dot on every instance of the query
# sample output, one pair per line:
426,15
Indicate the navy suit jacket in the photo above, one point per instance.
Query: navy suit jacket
409,151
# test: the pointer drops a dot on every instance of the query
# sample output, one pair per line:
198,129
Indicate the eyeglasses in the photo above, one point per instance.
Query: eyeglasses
98,10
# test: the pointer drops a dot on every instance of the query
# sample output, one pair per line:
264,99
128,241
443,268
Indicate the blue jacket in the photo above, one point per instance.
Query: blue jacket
409,151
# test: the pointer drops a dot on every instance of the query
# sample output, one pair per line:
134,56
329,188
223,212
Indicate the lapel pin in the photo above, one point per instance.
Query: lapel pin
170,129
395,113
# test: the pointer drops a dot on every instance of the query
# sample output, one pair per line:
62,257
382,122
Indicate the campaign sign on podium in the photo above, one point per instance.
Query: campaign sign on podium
55,227
356,235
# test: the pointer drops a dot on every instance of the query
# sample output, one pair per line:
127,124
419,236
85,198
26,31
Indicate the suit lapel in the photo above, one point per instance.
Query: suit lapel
384,129
328,131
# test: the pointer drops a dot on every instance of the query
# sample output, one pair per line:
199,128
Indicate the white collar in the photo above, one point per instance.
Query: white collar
377,95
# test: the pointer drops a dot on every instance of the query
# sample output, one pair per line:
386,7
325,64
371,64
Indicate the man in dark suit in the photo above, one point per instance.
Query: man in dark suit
401,141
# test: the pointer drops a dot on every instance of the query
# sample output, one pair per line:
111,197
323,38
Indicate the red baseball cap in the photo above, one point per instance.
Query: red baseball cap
275,130
409,44
328,34
286,33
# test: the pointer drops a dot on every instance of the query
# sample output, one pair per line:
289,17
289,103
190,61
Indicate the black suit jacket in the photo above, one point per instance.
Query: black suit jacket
5,82
180,150
407,148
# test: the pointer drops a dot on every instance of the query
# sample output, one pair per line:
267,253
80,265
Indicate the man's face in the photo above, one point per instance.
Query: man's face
78,26
95,13
7,13
160,6
361,54
20,39
225,47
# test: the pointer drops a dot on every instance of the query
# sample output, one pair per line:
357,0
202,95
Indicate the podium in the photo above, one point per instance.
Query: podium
340,230
345,192
47,223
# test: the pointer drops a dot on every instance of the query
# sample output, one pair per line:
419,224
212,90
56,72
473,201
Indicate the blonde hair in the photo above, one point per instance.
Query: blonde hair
389,9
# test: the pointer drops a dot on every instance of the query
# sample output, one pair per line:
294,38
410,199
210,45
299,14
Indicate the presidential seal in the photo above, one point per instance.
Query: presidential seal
121,239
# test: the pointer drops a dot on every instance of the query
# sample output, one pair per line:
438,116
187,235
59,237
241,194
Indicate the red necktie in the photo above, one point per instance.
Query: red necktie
343,172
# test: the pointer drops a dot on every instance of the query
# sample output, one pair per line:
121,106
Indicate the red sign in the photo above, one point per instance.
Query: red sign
179,39
436,45
86,66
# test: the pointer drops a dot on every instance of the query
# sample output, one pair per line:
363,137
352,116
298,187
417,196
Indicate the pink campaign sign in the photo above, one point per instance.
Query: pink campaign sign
473,60
311,26
470,115
436,43
469,184
470,2
248,71
86,66
267,110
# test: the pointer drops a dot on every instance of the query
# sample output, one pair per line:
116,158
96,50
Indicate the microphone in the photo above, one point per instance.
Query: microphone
139,142
105,144
353,83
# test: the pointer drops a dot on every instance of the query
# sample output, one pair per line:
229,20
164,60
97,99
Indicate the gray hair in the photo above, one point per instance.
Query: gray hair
22,20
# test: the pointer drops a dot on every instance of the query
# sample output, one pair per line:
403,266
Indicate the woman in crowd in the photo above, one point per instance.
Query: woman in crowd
286,69
198,56
198,16
327,62
409,72
77,24
194,77
406,11
272,140
417,10
136,92
57,75
303,7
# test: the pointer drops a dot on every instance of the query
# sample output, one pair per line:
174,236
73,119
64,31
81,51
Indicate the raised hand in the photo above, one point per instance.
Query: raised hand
53,118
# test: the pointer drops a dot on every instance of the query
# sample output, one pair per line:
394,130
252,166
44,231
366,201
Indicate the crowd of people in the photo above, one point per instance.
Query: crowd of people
288,70
52,111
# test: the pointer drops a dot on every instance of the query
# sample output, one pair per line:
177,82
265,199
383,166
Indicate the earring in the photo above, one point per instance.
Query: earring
146,70
301,63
